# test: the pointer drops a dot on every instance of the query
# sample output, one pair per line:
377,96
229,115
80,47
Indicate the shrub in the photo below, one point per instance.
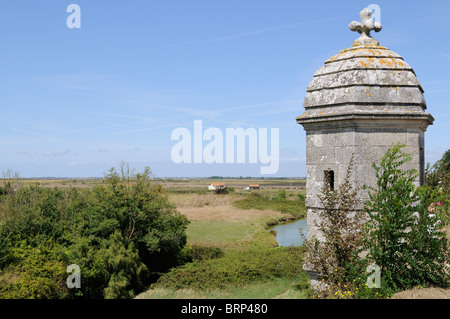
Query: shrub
205,252
35,272
281,194
398,238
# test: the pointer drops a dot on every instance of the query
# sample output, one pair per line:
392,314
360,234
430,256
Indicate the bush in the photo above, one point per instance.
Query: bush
35,272
205,252
281,194
402,238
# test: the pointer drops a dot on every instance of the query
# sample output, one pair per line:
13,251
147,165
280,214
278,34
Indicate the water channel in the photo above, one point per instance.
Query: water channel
288,234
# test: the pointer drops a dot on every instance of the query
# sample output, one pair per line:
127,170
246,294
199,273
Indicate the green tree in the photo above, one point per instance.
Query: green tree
144,216
130,233
402,238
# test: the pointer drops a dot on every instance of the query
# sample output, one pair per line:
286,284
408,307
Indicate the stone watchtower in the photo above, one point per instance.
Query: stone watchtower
360,101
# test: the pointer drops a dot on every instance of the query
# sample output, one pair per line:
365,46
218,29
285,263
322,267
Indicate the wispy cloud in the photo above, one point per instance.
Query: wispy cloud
29,152
250,33
57,153
145,129
242,107
240,35
269,29
183,117
215,115
15,129
439,86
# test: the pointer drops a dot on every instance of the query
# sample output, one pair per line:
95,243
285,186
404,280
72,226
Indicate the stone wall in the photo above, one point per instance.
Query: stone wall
332,149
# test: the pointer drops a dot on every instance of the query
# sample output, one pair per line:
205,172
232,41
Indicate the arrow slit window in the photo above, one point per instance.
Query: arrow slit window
329,179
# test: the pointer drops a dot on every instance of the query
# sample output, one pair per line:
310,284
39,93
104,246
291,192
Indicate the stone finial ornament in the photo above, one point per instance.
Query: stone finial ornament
364,27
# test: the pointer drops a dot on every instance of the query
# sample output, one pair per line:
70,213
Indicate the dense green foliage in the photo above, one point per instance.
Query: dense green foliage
402,237
197,253
35,271
121,233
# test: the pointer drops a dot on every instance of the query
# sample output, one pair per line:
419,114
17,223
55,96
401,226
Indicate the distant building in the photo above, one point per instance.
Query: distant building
217,186
254,186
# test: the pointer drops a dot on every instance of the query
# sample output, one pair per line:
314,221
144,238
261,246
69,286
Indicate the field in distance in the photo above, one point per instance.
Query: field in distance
176,183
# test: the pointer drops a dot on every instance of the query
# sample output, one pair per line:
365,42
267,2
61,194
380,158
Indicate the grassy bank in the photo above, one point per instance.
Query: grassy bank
278,288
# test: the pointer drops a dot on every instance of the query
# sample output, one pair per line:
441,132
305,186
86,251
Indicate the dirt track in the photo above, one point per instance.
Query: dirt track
423,293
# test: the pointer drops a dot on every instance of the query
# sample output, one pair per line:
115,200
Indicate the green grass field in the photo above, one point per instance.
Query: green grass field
218,232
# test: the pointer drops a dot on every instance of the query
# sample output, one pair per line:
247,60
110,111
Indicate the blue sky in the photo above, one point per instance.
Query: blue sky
75,102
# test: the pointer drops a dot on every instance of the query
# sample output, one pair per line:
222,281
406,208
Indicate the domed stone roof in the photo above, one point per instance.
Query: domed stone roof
365,80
